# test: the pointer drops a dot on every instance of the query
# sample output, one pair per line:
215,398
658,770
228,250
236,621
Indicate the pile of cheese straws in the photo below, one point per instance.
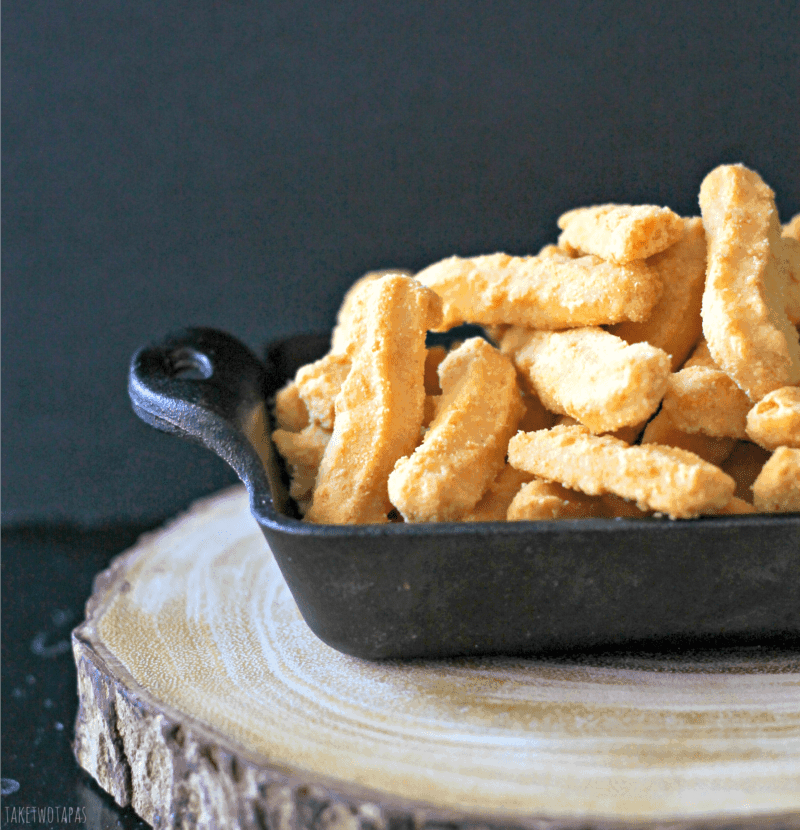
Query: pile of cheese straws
635,311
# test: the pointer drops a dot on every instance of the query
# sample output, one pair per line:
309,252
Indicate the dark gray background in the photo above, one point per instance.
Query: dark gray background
238,164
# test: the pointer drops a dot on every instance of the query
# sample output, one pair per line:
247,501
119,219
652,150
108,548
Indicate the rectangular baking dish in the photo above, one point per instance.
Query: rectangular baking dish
443,589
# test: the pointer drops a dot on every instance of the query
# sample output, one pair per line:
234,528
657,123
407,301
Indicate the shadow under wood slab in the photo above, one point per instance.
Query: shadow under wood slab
205,701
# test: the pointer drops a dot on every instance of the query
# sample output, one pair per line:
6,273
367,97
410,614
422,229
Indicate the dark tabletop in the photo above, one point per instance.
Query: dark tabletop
47,574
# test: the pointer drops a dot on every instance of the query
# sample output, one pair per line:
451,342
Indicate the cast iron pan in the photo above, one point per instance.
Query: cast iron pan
433,590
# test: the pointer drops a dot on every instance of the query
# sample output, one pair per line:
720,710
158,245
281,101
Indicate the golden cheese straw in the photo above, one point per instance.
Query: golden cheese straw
591,375
380,408
700,399
303,452
777,488
546,500
620,233
547,292
350,320
494,503
790,266
675,324
664,479
465,445
290,411
661,430
650,364
744,303
319,383
775,420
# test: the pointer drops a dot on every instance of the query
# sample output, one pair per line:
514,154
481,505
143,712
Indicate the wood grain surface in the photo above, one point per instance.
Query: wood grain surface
205,701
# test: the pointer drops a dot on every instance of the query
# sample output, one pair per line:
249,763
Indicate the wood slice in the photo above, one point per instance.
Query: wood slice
205,701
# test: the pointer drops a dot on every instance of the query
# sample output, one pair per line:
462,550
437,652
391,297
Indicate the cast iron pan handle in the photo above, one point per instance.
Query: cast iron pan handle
204,385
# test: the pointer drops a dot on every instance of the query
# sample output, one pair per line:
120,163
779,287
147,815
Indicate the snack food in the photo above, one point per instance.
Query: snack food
789,264
465,445
609,422
664,479
494,504
350,321
736,507
380,406
620,233
675,324
554,291
319,383
539,500
777,488
549,500
745,322
701,398
775,420
704,399
661,430
591,375
303,451
290,411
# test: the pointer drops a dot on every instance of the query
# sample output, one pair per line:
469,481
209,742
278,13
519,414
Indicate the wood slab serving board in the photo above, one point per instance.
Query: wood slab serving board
205,701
